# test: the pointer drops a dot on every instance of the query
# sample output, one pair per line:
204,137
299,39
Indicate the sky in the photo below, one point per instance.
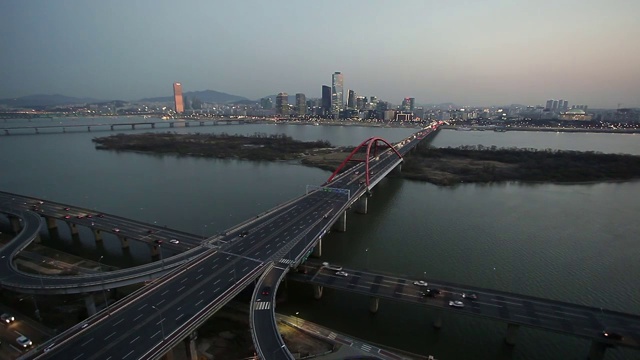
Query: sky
475,52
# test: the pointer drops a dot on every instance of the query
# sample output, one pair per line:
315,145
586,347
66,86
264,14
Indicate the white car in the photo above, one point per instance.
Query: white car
24,341
174,241
420,283
342,273
456,303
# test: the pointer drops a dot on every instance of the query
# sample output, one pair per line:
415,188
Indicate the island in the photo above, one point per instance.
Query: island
441,166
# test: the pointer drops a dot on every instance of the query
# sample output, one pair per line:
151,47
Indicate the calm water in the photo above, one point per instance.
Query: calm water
575,243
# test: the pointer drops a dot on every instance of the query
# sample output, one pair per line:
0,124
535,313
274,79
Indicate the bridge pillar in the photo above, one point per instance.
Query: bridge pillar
317,251
6,132
171,125
153,125
37,132
168,355
190,346
97,234
317,292
512,331
341,224
437,320
362,204
111,127
64,130
397,169
51,223
154,251
90,304
201,123
186,124
73,228
15,224
374,303
124,242
596,350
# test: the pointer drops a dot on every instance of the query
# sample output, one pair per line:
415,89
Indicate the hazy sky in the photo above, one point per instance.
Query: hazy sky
469,52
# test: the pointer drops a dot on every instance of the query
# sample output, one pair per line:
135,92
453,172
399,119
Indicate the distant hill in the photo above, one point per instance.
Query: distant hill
45,100
208,96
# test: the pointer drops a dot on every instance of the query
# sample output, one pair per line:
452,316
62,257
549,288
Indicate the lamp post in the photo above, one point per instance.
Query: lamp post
161,320
160,251
278,349
297,319
104,293
367,253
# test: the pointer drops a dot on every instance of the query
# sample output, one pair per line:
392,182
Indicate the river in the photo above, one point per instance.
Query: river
576,243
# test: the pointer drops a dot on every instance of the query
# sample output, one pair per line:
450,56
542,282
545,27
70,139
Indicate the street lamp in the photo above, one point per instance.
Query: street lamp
367,253
297,319
104,293
278,349
161,258
161,320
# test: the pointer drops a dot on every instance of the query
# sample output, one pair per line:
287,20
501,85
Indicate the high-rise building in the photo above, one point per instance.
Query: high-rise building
301,104
555,105
177,97
361,101
412,104
282,104
408,104
266,103
326,100
549,104
565,105
351,99
337,92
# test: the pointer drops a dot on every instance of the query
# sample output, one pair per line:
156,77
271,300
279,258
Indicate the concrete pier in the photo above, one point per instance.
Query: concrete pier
596,350
51,223
124,242
317,292
90,304
97,234
437,320
362,204
73,228
15,224
190,346
155,252
512,332
341,224
374,304
317,251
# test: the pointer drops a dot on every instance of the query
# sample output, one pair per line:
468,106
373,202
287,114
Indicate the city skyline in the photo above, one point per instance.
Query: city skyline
468,54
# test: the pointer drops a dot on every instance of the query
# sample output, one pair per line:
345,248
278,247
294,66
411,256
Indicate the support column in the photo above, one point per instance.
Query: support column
190,346
73,228
596,350
317,251
362,204
97,234
51,223
512,331
37,240
154,251
111,127
15,224
88,128
133,126
168,355
398,169
153,125
170,125
341,224
437,320
90,304
317,292
374,303
124,242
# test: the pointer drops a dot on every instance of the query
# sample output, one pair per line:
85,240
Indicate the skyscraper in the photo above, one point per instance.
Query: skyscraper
301,104
565,105
412,104
555,105
337,89
351,99
549,104
282,104
326,100
177,97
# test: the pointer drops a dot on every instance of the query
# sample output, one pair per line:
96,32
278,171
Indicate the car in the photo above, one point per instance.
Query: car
612,335
89,216
116,230
100,215
244,233
470,296
7,318
40,202
158,241
67,216
67,209
174,241
431,292
266,290
150,231
80,216
24,341
456,303
302,270
49,347
342,273
420,283
332,267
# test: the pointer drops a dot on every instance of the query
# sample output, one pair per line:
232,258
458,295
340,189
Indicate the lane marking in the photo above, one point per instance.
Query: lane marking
107,338
119,321
86,342
134,340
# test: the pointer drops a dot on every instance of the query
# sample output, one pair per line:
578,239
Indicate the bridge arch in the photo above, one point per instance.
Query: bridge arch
370,144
